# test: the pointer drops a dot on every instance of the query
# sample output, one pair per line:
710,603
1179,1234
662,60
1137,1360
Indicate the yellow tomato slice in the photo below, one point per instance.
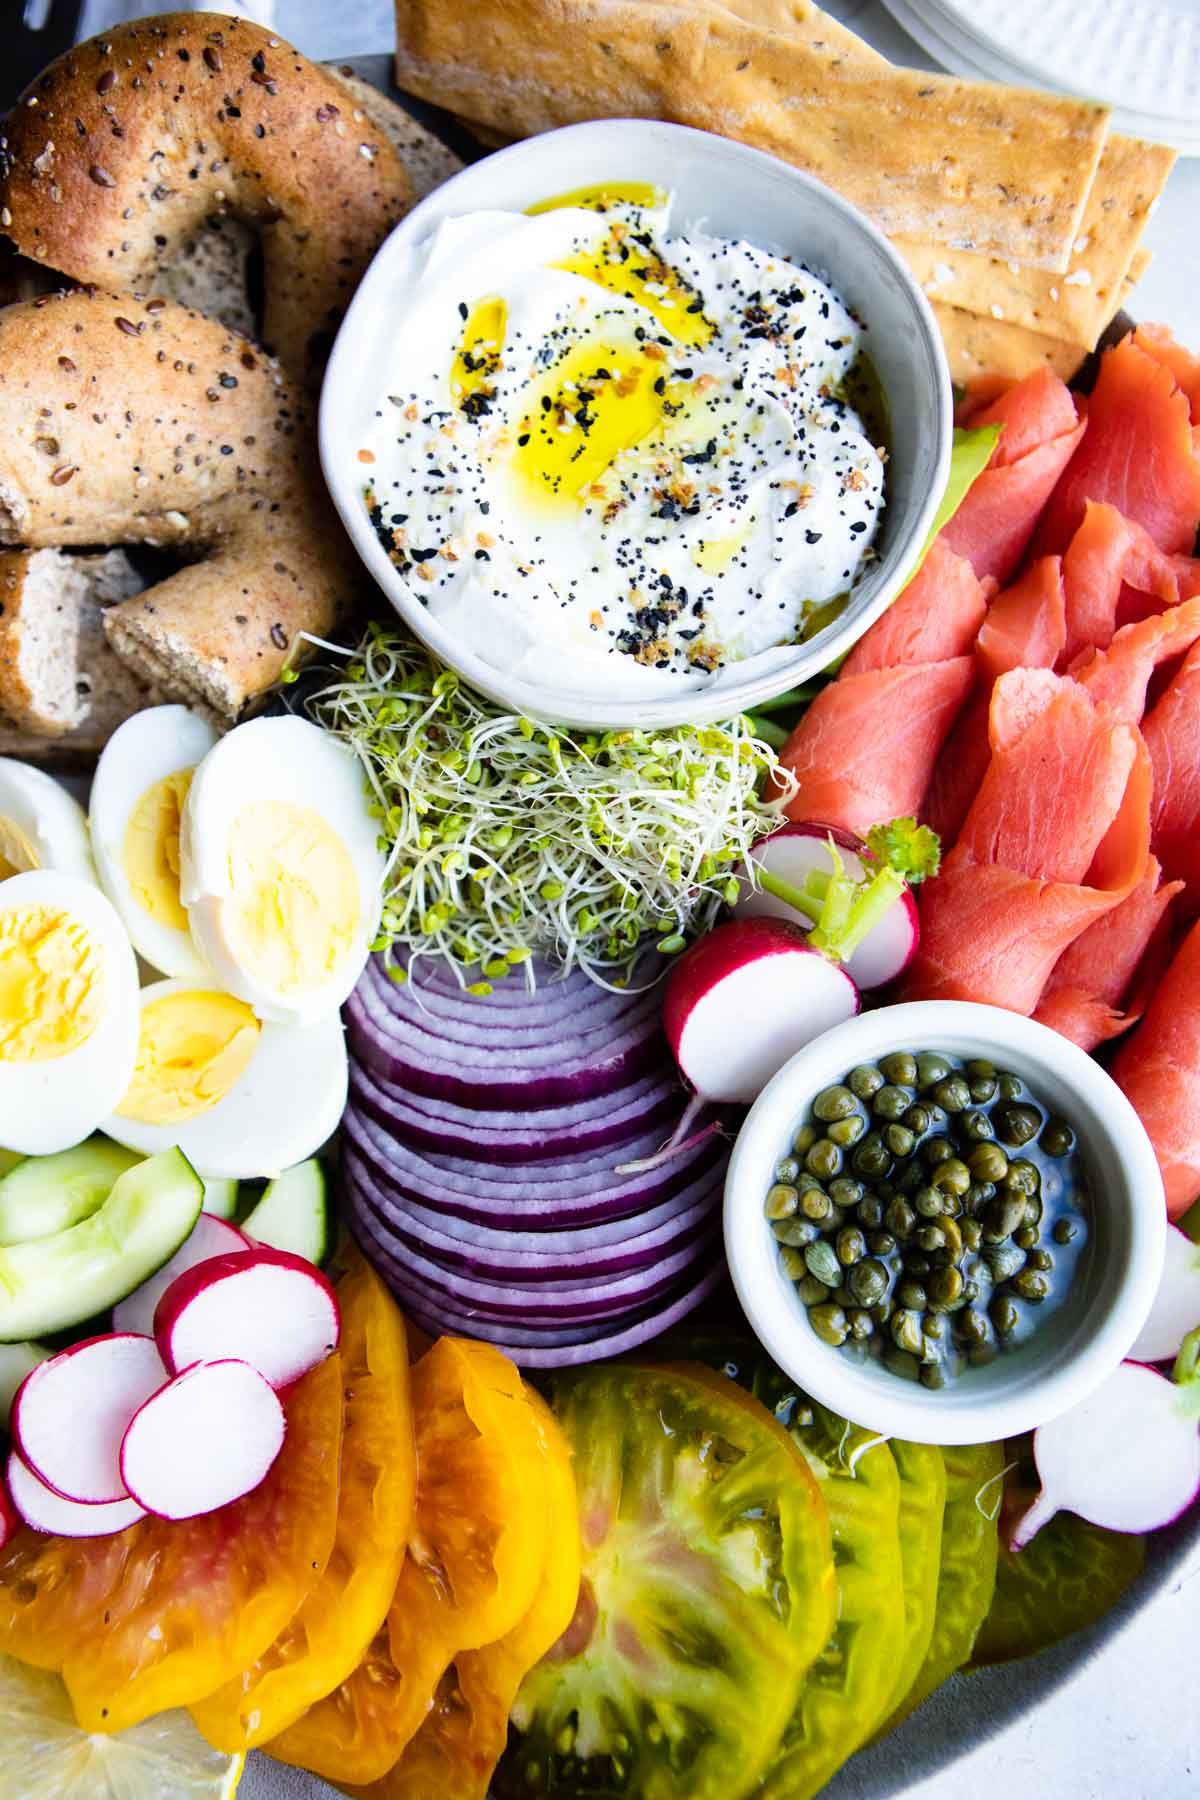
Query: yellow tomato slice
330,1634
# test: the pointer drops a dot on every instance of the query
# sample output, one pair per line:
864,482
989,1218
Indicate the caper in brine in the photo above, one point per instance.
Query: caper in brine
944,1287
911,1294
901,1363
910,1177
788,1169
795,1232
930,1237
836,1102
882,1243
1005,1314
868,1281
1023,1176
864,1081
1057,1138
862,1325
823,1160
983,1089
823,1263
1031,1285
918,1118
815,1204
953,1094
972,1234
851,1245
1002,1216
936,1150
1016,1123
1041,1260
899,1218
930,1202
804,1139
845,1191
1004,1260
977,1068
987,1162
1009,1087
971,1326
844,1132
905,1328
900,1067
791,1261
980,1354
870,1212
951,1176
931,1068
829,1323
782,1201
976,1125
871,1157
1034,1210
1026,1236
917,1263
1065,1231
891,1102
899,1140
952,1232
932,1375
882,1311
812,1291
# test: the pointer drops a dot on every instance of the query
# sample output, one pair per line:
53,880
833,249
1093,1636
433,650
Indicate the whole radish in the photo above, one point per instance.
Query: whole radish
1176,1307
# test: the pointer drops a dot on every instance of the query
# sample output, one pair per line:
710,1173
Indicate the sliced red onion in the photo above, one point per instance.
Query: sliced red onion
592,1015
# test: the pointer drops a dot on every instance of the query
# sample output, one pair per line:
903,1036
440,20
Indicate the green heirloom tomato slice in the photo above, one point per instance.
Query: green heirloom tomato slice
922,1472
967,1576
707,1592
1063,1581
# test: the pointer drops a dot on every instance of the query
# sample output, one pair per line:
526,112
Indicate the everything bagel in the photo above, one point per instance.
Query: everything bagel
128,421
130,144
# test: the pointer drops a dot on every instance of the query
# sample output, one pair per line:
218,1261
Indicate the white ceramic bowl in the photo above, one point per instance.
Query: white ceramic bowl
733,192
1080,1342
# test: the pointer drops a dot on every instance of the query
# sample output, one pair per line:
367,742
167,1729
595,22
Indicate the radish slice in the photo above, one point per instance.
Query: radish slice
265,1307
202,1441
44,1510
800,849
70,1414
10,1518
1127,1457
209,1237
744,999
1176,1308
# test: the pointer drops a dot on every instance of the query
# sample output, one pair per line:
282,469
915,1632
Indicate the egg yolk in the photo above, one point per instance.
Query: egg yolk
294,908
192,1048
151,849
17,852
51,984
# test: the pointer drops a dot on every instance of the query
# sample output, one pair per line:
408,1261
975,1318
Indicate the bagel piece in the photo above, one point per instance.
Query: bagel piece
129,421
120,154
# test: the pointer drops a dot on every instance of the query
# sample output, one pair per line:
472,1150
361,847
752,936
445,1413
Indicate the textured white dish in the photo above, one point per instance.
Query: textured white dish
732,192
1080,1342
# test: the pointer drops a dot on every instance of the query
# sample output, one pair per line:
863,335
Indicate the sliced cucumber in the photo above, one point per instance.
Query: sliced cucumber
16,1361
44,1195
58,1281
293,1213
220,1196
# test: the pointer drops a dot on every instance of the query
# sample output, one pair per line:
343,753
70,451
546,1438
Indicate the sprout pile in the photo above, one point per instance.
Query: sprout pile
508,839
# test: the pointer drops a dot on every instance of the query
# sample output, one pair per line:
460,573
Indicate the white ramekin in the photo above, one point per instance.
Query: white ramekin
1081,1341
732,191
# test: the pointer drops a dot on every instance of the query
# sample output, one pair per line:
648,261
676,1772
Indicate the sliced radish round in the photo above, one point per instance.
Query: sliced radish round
205,1439
744,999
798,850
70,1414
1176,1308
10,1518
209,1237
265,1307
44,1510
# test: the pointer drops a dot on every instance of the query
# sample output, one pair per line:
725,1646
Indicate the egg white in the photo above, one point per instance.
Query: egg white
283,1107
144,750
280,759
52,1104
48,816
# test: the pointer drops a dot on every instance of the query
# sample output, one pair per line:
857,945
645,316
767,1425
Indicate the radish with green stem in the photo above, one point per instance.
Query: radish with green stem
1176,1308
1127,1457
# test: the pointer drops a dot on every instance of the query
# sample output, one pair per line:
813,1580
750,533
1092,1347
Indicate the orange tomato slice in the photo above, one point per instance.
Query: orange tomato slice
330,1634
475,1560
161,1614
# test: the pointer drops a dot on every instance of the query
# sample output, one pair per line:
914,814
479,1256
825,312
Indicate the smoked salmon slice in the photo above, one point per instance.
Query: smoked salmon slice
1119,676
1056,837
1082,998
1159,1069
1157,341
1137,454
1041,432
865,748
1172,733
1108,555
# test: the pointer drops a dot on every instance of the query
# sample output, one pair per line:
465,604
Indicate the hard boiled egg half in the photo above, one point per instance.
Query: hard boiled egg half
68,1010
138,794
240,1097
41,825
281,873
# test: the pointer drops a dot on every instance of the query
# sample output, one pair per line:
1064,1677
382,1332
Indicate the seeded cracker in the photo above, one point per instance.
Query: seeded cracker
999,170
983,346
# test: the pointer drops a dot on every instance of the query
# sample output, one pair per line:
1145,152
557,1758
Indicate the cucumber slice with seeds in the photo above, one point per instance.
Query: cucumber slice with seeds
47,1194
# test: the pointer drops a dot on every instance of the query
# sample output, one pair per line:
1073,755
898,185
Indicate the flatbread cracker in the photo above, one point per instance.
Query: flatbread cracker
1002,171
1076,306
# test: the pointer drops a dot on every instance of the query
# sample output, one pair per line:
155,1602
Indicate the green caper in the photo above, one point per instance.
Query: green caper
944,1287
952,1232
782,1201
1002,1217
823,1263
836,1102
900,1067
971,1326
868,1281
823,1160
1041,1260
930,1202
931,1237
1031,1285
952,1176
1065,1231
844,1132
871,1157
932,1375
972,1234
1025,1237
882,1311
931,1068
870,1212
899,1140
1017,1124
917,1263
983,1089
970,1292
851,1246
886,1190
905,1328
812,1291
1005,1314
891,1102
978,1195
901,1363
842,1297
1004,1260
795,1232
935,1330
788,1169
976,1126
864,1081
791,1261
816,1204
987,1162
804,1139
981,1354
918,1118
911,1294
1010,1087
829,1323
882,1243
1034,1210
953,1094
1057,1138
910,1177
862,1325
936,1151
845,1191
1024,1176
899,1218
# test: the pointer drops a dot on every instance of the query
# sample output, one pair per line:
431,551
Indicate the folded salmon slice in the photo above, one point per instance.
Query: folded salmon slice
1041,432
1108,556
1056,837
1082,999
1172,733
1159,342
1119,676
1138,455
865,748
1159,1069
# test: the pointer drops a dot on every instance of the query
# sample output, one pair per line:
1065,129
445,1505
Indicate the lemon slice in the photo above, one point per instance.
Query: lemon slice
45,1756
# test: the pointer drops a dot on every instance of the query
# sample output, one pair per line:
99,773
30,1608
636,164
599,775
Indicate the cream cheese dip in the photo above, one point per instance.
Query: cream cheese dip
618,451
